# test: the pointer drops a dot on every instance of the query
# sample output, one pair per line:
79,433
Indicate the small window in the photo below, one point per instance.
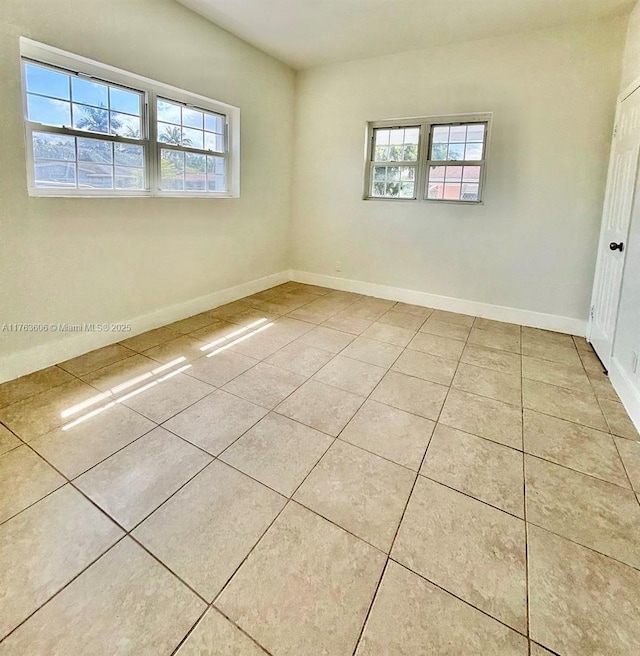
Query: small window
81,136
193,148
430,159
93,130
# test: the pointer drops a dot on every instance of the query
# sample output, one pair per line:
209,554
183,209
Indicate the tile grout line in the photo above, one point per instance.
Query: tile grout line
402,516
524,505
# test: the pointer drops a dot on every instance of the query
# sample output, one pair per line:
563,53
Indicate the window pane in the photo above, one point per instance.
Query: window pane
95,176
216,165
192,138
195,172
55,174
382,137
379,172
124,101
471,173
53,146
473,151
470,192
436,173
125,125
88,92
192,118
411,136
453,174
168,112
92,119
440,134
381,154
171,170
475,132
214,142
407,173
171,134
458,134
94,150
451,192
436,190
396,153
407,190
393,173
456,152
214,123
439,151
378,188
48,111
47,82
393,189
129,178
396,137
216,174
129,155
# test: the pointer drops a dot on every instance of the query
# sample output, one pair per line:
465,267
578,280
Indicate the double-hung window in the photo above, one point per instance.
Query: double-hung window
93,130
439,159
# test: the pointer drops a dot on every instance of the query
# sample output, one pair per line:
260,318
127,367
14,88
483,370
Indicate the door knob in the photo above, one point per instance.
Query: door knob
616,247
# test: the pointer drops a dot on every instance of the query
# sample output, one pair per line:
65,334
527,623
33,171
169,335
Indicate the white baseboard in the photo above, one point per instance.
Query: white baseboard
628,392
75,344
485,310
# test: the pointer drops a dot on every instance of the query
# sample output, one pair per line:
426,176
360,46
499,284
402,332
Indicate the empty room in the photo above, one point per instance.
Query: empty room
320,328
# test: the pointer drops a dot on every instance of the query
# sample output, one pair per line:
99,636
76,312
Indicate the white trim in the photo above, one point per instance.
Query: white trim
628,392
39,357
485,310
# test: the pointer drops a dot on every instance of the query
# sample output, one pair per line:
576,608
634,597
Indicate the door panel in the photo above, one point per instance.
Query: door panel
621,186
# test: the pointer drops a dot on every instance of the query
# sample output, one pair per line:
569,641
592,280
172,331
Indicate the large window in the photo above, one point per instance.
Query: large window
93,130
435,159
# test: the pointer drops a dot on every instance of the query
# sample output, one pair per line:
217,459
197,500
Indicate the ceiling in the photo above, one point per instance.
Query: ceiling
306,33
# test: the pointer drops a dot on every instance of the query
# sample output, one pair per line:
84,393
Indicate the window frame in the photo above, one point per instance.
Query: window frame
151,90
425,125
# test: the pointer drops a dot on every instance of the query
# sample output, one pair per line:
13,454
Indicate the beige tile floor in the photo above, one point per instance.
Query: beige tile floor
343,475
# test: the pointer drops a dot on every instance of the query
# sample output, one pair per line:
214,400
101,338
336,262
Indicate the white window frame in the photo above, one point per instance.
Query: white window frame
425,124
151,89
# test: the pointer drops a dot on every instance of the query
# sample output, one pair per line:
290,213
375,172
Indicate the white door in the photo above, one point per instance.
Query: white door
621,186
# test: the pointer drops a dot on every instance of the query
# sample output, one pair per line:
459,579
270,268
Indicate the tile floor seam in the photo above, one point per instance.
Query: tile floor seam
402,516
524,505
468,494
624,466
288,501
452,594
58,591
584,546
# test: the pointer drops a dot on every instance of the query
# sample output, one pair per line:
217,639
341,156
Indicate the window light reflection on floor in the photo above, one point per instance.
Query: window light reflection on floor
116,389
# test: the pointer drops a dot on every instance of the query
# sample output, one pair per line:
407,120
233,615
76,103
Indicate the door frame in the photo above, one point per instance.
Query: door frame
622,96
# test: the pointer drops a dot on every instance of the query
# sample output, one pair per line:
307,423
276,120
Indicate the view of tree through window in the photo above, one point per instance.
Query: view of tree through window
122,135
448,167
194,135
58,99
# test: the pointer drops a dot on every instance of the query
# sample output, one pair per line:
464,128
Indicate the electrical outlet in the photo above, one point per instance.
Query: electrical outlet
338,266
634,362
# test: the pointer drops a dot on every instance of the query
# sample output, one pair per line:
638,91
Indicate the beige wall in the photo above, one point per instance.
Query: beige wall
532,245
104,260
